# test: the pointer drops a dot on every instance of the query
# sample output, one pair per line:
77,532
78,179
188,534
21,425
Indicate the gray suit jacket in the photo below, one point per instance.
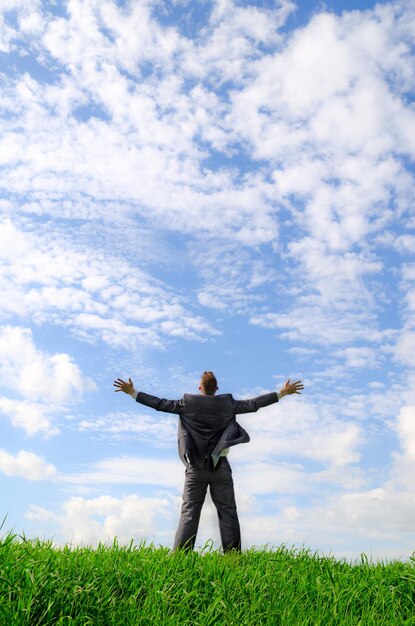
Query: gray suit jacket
207,424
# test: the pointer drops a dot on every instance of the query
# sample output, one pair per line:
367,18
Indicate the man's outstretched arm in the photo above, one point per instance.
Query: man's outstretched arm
252,405
159,404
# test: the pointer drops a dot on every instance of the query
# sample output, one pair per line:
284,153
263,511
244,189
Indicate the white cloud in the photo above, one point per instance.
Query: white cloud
302,352
362,512
404,459
31,416
406,431
31,23
377,520
301,430
7,34
90,521
405,348
125,518
344,528
37,375
26,465
231,41
408,272
361,357
44,381
39,513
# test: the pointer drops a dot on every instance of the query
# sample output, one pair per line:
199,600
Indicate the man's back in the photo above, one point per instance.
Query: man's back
207,414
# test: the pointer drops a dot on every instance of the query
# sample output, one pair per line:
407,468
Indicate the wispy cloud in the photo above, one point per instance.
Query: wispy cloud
46,277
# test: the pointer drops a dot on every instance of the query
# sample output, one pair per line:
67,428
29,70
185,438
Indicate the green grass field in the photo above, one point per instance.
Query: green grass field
41,585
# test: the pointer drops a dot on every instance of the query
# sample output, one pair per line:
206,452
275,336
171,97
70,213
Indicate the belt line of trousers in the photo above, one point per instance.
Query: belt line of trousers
220,482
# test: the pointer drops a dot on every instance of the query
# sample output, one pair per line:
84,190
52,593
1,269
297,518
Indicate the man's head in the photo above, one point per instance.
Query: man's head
208,384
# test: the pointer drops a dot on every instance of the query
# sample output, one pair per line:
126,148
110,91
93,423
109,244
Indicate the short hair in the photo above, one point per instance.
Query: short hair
209,383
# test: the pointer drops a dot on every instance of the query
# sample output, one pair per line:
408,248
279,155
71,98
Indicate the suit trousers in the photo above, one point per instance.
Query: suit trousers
220,482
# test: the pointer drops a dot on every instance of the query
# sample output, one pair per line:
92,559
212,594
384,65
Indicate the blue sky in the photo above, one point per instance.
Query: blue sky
226,186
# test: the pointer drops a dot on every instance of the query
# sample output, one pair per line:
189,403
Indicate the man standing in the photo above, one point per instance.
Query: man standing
207,429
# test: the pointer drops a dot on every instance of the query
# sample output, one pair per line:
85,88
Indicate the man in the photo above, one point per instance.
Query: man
207,429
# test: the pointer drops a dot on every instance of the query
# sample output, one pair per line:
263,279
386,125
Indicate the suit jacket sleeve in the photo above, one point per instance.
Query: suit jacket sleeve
252,405
160,404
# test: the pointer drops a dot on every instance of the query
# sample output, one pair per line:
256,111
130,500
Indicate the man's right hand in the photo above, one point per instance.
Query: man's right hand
290,388
122,385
